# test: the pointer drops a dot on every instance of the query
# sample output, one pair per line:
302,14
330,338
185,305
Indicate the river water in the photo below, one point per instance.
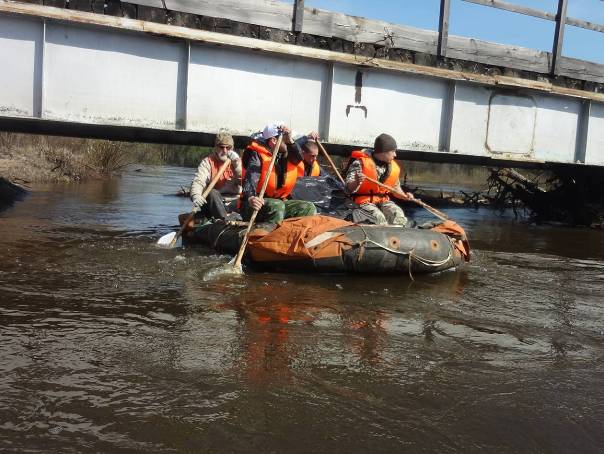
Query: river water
109,344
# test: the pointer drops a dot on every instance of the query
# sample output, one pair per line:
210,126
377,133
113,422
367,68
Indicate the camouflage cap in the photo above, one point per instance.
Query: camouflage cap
224,138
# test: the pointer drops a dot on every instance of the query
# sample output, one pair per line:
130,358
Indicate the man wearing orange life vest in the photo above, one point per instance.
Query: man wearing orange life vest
275,205
309,167
227,189
374,204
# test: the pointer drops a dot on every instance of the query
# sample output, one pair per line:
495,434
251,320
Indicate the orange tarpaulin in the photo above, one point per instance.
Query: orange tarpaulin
313,237
289,240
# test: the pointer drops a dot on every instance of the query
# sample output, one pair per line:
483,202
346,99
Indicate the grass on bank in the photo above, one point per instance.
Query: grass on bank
26,159
40,159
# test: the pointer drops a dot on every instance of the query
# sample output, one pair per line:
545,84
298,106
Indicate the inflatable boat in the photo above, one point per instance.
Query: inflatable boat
326,244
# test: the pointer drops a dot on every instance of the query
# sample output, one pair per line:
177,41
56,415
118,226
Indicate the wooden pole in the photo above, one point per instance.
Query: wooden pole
513,8
443,28
298,15
331,163
267,176
205,193
559,35
439,214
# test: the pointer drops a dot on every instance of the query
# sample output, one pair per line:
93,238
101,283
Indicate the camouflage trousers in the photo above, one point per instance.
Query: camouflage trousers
275,210
381,214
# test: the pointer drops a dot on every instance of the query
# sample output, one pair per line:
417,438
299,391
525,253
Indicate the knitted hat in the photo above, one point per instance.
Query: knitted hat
224,138
384,142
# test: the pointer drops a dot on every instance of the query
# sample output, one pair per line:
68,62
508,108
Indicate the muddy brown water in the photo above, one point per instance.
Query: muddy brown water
108,344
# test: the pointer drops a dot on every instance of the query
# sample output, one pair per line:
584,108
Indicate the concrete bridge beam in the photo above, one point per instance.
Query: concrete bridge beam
85,74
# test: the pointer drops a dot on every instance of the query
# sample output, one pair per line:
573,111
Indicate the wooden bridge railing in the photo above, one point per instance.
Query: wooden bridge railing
298,18
560,18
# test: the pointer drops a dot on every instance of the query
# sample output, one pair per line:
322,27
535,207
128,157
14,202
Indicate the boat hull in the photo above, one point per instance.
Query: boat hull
364,249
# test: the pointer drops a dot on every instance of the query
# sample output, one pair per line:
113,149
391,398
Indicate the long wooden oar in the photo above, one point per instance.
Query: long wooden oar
237,264
439,214
331,163
169,240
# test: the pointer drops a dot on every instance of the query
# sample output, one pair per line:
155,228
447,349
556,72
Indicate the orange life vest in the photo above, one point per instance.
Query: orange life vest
314,172
215,164
370,192
291,174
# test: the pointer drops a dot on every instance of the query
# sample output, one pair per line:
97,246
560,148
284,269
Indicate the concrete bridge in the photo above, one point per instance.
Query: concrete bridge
79,73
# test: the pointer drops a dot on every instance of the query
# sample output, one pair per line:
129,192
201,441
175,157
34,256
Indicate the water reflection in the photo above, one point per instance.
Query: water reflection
99,192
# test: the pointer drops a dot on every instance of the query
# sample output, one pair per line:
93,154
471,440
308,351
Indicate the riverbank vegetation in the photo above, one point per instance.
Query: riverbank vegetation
29,159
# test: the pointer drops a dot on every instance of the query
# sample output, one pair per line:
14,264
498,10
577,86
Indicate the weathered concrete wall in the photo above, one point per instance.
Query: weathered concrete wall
382,49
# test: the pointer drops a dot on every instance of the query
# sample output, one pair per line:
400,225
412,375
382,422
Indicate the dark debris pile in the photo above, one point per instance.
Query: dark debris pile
569,196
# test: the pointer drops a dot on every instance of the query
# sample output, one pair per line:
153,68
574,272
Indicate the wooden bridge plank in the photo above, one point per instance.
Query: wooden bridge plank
211,38
361,30
276,14
513,8
268,13
580,69
498,54
537,13
585,24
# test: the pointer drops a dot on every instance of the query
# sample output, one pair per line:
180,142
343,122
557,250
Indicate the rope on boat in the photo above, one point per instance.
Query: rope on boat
433,263
427,262
362,245
409,264
227,227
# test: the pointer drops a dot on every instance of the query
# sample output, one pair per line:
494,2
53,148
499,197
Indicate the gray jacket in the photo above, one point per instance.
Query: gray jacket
203,176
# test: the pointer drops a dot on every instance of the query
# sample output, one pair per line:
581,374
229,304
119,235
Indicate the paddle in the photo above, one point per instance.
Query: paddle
237,264
439,214
170,239
331,163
